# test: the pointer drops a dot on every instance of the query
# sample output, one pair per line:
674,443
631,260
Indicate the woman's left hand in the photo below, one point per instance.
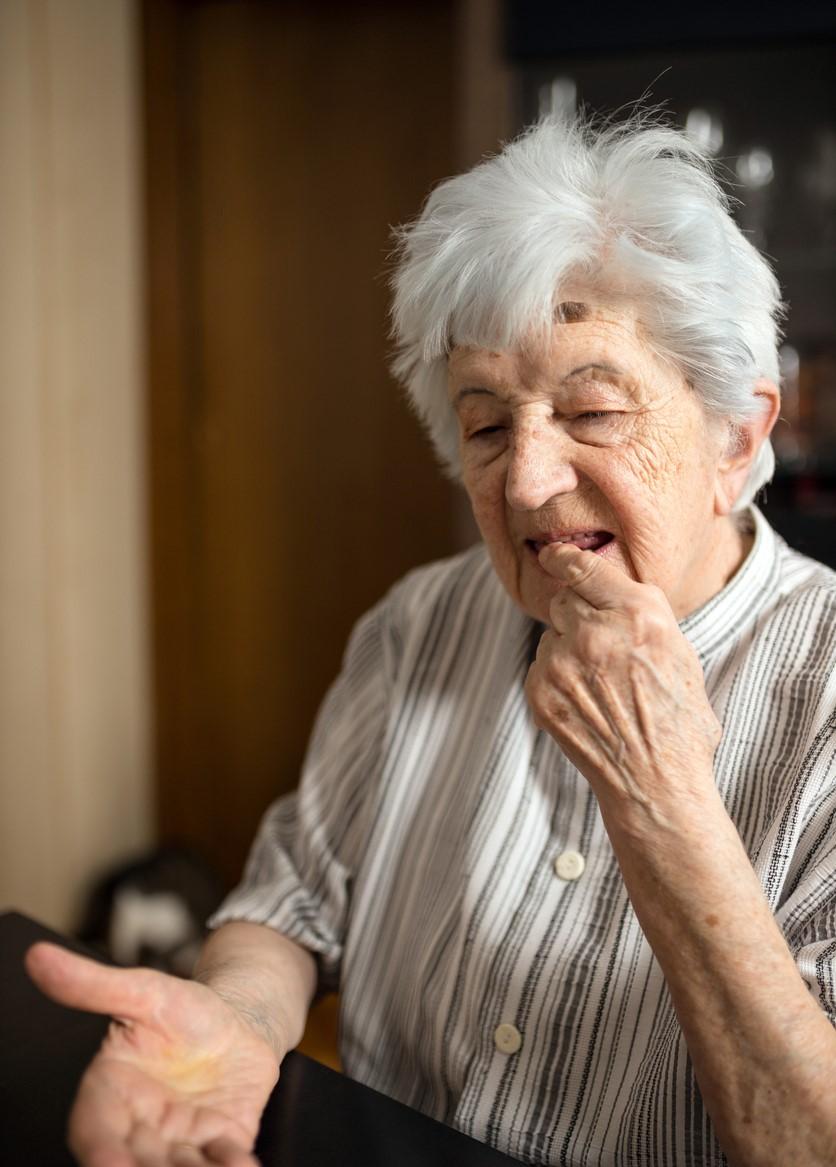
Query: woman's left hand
621,690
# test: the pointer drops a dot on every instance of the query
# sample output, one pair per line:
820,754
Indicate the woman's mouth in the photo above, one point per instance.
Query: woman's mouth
585,540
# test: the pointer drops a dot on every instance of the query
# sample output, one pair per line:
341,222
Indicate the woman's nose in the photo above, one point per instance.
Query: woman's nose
540,468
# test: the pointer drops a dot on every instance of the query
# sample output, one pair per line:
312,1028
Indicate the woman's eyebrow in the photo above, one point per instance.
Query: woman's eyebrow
483,391
472,391
611,369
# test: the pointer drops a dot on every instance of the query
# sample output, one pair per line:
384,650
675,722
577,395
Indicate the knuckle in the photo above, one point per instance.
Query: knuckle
544,698
534,688
582,567
591,642
648,621
655,593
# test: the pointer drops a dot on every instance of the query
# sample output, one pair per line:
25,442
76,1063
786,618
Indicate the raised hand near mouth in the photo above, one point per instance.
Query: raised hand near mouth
620,689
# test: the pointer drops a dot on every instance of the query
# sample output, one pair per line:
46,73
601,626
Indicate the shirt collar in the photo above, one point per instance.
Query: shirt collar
739,603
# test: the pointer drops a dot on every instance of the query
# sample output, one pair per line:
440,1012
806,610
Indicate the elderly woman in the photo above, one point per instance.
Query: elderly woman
566,835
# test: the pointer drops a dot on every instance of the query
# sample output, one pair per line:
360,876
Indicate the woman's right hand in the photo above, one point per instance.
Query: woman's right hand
181,1079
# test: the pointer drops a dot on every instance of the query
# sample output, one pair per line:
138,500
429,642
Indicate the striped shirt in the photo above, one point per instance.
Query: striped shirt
419,862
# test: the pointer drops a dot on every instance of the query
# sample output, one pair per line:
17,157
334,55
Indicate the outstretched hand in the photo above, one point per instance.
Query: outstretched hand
620,688
181,1078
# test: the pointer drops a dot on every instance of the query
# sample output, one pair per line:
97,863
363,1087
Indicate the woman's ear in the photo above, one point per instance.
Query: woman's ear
744,440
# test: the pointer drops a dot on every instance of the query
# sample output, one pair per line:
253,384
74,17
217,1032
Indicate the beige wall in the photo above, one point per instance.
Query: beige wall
74,733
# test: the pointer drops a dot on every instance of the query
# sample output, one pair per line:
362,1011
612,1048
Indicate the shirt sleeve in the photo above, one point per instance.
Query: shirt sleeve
299,872
808,916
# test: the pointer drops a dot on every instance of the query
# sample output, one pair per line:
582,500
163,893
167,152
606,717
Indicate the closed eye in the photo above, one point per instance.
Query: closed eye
597,426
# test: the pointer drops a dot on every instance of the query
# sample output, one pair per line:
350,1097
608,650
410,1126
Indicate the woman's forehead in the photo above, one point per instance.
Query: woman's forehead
603,335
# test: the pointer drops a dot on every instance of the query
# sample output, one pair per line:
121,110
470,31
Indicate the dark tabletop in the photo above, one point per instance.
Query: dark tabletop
315,1117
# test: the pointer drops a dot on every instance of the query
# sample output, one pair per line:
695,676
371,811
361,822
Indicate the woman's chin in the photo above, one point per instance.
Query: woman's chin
535,597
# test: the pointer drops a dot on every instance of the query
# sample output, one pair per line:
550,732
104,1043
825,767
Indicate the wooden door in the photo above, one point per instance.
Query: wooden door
289,484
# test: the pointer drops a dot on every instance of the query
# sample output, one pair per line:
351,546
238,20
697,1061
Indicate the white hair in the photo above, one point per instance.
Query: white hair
631,208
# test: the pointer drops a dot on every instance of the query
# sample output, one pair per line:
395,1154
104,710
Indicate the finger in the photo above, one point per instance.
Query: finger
105,1154
99,1125
548,644
558,625
226,1153
85,984
565,609
601,584
148,1147
187,1155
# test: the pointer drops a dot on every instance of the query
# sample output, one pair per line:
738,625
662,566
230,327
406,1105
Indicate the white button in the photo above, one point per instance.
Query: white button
507,1038
569,865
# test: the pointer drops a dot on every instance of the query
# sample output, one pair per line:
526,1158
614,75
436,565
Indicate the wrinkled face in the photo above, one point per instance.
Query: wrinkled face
592,439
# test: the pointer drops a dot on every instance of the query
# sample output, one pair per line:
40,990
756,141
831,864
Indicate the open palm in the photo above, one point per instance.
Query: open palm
181,1078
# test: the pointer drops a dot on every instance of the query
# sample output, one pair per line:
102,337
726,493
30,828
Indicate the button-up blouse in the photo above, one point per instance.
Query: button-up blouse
450,870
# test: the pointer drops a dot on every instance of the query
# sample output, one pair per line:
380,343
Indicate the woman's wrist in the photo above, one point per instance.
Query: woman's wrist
266,1025
663,815
266,978
690,880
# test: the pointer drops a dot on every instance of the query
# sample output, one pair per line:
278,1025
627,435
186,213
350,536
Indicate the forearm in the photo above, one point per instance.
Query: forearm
763,1051
267,978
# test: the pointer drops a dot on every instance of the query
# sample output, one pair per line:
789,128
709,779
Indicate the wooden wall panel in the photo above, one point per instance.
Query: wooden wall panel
289,484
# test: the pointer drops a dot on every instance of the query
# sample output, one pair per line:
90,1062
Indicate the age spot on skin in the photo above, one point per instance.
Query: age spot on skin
571,312
712,921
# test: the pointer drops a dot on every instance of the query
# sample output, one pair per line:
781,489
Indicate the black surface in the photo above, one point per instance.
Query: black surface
318,1117
535,29
43,1048
315,1117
